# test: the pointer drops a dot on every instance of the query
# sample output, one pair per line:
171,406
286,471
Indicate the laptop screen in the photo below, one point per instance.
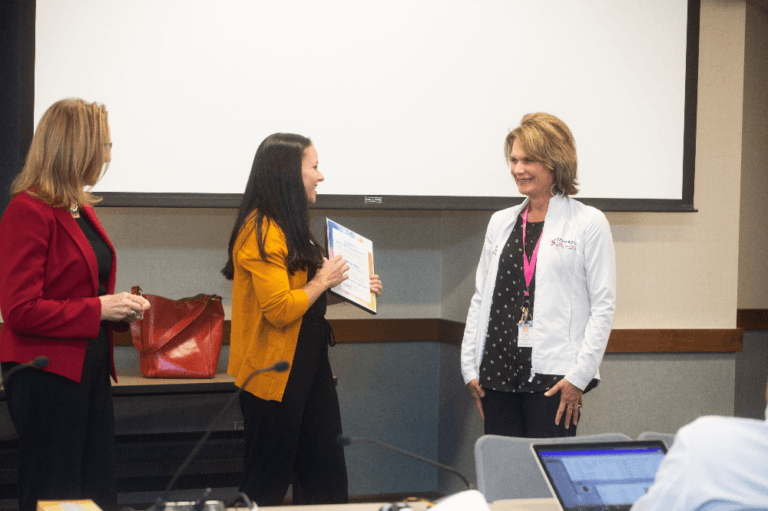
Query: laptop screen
610,475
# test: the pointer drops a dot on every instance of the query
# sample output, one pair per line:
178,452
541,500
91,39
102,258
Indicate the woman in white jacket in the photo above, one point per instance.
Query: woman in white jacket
545,293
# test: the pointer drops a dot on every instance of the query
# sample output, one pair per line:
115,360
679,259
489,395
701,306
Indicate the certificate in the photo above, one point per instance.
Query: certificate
358,253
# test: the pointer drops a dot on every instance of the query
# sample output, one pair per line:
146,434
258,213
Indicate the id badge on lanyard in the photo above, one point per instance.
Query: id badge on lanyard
525,326
525,333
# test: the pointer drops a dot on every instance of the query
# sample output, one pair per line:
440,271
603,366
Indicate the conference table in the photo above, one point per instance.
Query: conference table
549,504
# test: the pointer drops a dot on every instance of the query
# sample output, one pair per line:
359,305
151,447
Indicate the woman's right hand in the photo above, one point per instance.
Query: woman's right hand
332,273
329,275
123,307
477,393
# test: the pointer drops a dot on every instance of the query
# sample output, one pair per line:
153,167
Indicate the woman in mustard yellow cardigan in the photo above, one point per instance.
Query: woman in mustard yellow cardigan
280,279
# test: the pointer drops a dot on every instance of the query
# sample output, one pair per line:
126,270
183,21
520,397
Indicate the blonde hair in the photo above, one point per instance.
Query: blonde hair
545,138
68,152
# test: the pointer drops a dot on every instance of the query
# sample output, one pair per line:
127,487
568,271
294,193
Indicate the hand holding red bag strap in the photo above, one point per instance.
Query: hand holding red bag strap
179,338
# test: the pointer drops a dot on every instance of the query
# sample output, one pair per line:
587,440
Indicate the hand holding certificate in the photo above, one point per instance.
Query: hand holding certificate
357,251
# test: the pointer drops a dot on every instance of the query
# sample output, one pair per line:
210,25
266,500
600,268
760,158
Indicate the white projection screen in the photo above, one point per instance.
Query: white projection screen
407,102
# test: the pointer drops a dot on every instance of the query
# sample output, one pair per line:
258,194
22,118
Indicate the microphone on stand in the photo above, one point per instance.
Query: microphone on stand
467,499
41,361
160,504
346,440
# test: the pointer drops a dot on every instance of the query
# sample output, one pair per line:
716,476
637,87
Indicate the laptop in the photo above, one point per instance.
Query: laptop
599,476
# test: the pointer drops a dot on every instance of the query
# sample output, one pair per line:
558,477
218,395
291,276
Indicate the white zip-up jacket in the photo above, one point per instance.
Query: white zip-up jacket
575,291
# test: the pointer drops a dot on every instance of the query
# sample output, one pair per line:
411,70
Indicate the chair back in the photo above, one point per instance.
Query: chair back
507,469
667,438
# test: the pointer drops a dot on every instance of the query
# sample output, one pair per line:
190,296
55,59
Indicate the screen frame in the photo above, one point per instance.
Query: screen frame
462,203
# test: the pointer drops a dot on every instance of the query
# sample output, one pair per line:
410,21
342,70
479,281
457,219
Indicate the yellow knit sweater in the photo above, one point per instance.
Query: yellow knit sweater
267,308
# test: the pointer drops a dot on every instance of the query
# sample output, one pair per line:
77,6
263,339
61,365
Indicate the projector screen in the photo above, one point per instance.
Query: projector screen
407,102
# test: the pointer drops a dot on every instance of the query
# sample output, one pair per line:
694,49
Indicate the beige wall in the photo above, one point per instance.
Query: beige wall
753,230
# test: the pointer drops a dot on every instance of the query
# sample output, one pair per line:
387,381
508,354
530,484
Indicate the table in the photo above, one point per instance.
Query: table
549,504
135,384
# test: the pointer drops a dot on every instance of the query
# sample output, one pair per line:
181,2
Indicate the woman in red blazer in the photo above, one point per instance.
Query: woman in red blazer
57,279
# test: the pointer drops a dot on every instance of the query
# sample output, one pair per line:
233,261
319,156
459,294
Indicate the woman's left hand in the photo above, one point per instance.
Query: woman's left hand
123,307
376,286
570,401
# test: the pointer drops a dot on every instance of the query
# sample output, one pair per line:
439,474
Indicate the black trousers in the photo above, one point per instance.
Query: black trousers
523,414
66,432
294,440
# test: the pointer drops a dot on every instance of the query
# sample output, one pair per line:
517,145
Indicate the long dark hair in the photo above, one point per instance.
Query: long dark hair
275,191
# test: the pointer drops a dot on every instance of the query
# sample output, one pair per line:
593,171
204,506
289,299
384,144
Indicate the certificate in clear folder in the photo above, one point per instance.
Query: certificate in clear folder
357,251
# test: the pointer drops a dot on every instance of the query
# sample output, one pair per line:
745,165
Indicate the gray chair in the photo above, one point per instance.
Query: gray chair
506,468
667,438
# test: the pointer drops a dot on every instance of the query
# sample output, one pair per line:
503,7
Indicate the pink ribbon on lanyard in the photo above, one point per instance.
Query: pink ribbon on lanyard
529,267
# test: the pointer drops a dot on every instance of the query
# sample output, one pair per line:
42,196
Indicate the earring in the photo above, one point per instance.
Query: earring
552,190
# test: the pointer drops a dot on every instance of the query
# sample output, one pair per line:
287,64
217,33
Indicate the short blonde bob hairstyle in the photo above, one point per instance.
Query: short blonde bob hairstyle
68,153
545,138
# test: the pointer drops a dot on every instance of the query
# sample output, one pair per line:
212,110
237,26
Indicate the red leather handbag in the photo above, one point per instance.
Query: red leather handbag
179,338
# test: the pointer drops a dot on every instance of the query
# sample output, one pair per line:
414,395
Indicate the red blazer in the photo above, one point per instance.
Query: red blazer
49,286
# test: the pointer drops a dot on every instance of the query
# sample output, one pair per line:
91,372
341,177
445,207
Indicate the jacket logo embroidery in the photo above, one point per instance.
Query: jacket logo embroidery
564,244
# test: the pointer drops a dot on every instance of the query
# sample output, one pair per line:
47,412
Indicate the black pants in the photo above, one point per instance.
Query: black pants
66,432
523,414
298,434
